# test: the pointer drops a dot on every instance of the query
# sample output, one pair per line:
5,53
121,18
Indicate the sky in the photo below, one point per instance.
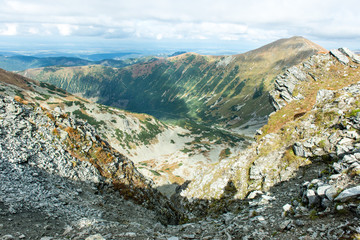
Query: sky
211,26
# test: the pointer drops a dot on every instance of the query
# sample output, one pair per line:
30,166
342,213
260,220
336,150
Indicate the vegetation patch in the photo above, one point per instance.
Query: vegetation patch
92,121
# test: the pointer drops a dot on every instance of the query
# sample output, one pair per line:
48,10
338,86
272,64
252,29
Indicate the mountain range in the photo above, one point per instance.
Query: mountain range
221,90
85,167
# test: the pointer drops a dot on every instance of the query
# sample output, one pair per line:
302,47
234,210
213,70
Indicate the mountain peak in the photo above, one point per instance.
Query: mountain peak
295,43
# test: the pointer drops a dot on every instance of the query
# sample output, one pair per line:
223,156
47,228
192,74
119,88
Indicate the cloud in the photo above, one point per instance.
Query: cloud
8,29
232,20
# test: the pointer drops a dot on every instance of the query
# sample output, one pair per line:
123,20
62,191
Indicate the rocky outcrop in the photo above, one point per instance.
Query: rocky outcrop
339,56
40,147
284,87
285,83
354,57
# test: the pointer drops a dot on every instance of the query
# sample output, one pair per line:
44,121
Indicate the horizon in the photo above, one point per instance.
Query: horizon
137,49
161,26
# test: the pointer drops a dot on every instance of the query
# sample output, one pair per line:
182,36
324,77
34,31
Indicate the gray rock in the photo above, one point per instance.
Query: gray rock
326,202
355,58
300,151
339,56
297,73
287,207
324,95
312,197
285,225
286,96
322,190
254,194
255,173
330,193
349,193
7,237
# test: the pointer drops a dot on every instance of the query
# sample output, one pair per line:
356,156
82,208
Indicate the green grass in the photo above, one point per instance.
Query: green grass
155,172
92,121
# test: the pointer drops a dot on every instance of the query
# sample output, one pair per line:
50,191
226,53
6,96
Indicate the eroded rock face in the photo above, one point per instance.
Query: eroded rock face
39,148
355,58
284,87
339,56
285,83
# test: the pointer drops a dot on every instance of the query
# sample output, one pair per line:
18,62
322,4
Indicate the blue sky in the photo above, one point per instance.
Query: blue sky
167,25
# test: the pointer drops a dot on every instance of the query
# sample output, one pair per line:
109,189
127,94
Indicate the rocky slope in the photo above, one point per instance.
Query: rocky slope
51,144
297,132
209,89
299,180
162,152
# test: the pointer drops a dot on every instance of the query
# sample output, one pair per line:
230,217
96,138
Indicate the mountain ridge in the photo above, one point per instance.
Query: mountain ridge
299,180
209,89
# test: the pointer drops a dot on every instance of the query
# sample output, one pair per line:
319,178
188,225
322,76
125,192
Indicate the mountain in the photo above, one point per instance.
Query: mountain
228,90
298,180
315,125
164,153
19,62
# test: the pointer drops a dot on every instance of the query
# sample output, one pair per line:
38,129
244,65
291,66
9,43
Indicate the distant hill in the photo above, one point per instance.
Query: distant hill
228,90
20,63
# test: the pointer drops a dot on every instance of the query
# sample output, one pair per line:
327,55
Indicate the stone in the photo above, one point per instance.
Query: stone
297,73
173,238
321,190
324,95
285,225
254,194
339,56
95,237
287,207
349,193
330,193
326,202
7,237
312,197
299,150
355,58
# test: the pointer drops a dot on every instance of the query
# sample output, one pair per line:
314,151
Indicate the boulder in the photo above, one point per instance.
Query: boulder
299,150
330,193
349,193
339,56
324,95
312,197
355,58
95,237
321,191
297,73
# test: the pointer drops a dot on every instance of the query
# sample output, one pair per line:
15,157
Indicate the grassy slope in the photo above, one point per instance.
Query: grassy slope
273,149
220,89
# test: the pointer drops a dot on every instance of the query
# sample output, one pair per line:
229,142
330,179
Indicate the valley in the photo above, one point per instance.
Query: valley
260,145
230,91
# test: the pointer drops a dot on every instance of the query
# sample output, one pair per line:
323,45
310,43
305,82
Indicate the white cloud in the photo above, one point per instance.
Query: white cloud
9,29
188,19
66,29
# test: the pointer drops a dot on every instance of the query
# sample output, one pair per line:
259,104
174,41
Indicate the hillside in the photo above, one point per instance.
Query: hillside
299,180
20,63
164,153
309,128
228,90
